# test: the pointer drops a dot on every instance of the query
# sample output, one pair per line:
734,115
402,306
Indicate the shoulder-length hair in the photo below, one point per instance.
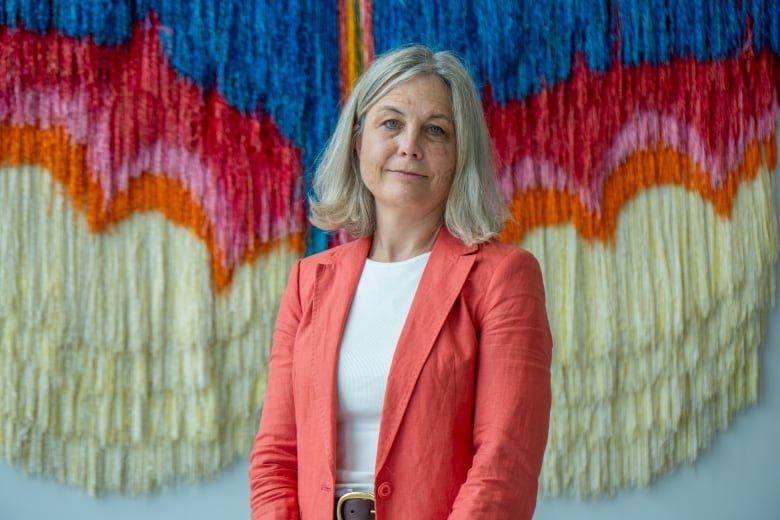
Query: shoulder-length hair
474,211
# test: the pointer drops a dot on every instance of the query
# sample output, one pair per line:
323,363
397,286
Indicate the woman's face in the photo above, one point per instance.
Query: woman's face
407,148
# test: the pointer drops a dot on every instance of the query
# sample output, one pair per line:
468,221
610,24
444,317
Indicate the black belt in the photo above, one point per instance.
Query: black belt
355,505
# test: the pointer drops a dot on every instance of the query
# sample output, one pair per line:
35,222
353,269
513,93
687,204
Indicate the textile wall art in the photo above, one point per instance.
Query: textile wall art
155,157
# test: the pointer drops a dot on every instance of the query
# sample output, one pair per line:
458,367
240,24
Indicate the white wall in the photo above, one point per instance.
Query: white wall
737,478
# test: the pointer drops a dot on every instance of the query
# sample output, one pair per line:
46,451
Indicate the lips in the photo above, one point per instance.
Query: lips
407,173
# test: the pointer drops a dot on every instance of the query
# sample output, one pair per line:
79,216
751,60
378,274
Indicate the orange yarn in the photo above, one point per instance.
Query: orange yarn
642,170
53,150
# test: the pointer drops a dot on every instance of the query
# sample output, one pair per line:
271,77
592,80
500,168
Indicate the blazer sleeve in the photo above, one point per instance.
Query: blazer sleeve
273,464
512,395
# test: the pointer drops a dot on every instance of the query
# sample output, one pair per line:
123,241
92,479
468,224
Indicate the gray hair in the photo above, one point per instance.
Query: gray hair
474,211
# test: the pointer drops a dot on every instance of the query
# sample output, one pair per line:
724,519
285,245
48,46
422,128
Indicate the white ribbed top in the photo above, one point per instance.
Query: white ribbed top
376,317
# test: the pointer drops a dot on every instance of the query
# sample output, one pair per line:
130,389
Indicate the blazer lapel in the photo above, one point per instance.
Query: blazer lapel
446,272
335,282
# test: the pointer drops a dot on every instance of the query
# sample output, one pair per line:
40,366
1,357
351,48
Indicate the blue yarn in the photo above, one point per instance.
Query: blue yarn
188,49
715,30
658,39
261,57
733,28
596,31
773,35
537,29
316,240
533,40
519,46
766,24
258,58
699,42
38,13
494,16
258,55
284,61
681,22
706,29
106,22
629,26
254,52
759,31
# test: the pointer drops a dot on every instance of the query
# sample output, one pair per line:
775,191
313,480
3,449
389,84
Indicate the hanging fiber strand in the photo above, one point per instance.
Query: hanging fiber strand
155,159
636,142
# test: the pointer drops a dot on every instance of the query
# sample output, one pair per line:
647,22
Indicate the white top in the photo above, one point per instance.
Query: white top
376,317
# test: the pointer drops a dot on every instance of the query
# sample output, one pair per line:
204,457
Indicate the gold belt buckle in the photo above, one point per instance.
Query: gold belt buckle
352,495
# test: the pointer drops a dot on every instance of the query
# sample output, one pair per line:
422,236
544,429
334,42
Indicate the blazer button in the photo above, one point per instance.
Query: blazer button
385,490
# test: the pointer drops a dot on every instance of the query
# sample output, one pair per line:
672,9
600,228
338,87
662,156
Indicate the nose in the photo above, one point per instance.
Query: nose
408,145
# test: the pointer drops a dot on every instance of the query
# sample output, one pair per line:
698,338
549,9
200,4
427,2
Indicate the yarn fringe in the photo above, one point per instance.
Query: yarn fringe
656,337
154,164
54,150
640,171
120,370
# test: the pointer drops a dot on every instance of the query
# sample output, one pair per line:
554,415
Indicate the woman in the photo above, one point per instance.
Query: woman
411,366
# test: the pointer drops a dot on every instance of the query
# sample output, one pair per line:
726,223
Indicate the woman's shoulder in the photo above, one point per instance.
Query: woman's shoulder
332,255
497,252
505,267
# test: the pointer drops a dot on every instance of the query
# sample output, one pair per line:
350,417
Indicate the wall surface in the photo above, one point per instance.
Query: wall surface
737,478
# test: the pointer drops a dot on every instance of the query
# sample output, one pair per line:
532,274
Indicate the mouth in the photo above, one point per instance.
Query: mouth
407,174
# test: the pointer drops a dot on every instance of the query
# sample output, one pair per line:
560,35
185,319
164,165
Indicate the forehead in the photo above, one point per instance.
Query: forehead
426,94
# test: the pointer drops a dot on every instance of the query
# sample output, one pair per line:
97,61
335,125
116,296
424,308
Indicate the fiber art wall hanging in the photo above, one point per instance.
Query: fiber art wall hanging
153,172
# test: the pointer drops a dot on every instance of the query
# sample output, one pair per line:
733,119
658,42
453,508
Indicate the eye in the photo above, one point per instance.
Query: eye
391,124
435,130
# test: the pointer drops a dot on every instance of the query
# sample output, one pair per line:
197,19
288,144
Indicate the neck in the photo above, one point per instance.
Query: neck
394,241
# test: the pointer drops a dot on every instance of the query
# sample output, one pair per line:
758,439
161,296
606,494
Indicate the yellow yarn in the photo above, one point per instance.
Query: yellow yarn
656,336
121,370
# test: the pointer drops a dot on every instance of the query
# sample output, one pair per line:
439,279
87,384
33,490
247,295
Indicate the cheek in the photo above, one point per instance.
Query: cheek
367,168
373,155
445,165
363,147
444,155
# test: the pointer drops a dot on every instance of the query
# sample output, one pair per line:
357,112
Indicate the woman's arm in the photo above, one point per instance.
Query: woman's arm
513,396
273,466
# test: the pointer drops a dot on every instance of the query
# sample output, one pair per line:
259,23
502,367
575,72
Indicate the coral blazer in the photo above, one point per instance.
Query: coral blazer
466,411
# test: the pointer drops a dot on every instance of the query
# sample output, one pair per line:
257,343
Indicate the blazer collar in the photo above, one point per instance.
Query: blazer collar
441,283
337,276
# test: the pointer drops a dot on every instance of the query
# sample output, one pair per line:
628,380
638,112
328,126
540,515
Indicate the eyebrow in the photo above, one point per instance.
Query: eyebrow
400,112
